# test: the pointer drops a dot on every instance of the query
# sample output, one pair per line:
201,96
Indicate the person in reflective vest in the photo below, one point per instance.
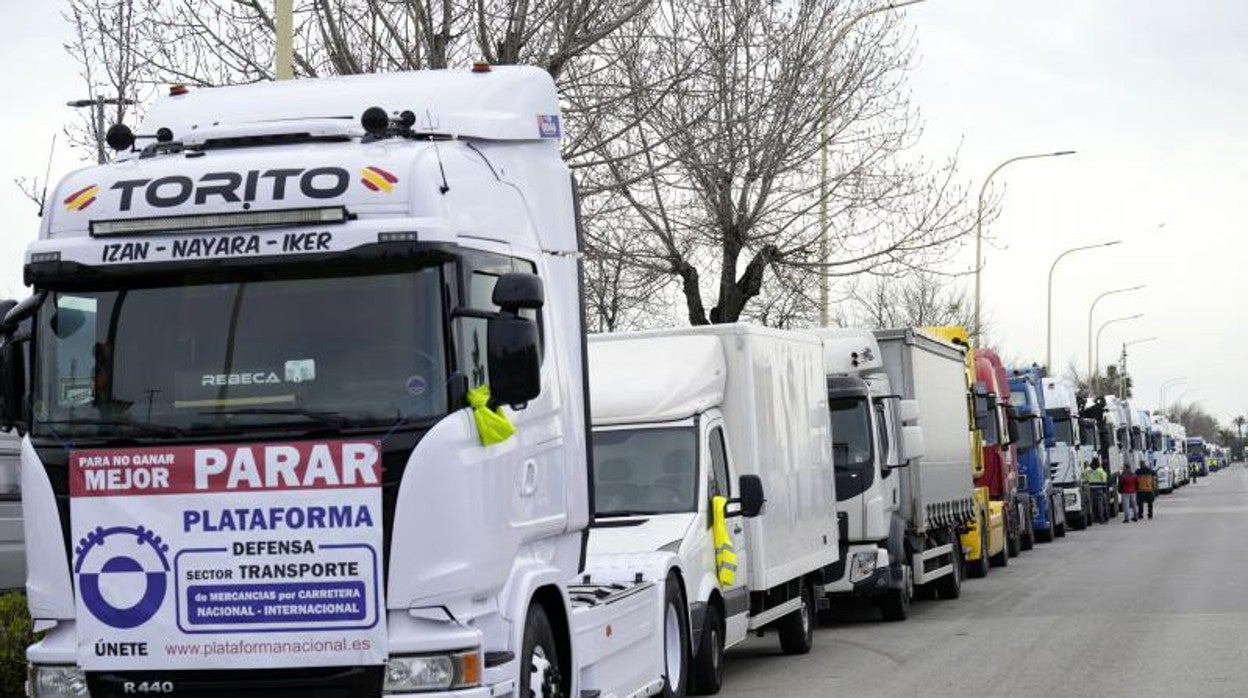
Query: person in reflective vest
725,555
1098,481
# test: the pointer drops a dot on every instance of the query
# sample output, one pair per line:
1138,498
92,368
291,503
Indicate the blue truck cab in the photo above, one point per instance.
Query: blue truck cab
1035,431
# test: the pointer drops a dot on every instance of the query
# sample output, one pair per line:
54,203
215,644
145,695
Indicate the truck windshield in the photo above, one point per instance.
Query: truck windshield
217,356
1137,440
1062,432
852,447
1087,433
1026,433
1157,442
645,471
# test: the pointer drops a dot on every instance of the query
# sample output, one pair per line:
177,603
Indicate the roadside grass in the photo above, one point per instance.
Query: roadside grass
15,635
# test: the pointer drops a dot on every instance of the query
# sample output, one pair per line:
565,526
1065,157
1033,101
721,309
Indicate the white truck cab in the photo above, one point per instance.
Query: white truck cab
734,414
307,410
877,446
1066,459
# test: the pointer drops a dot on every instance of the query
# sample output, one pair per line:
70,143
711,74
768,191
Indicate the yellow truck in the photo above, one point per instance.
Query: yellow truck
985,539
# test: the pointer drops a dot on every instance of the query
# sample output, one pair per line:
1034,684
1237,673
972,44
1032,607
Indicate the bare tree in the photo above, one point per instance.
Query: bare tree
726,181
917,300
106,47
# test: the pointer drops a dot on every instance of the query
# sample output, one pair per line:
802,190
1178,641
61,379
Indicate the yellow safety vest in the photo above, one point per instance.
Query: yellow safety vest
725,556
492,424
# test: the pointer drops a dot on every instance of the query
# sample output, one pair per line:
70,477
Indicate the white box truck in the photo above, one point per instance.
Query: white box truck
880,442
682,416
277,346
937,492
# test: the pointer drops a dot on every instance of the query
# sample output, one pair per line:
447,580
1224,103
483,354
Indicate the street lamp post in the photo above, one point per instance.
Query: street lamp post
1048,332
1166,385
1101,331
825,137
1122,372
99,103
1093,368
979,223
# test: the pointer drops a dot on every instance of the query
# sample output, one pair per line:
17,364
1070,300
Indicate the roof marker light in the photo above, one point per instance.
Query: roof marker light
481,67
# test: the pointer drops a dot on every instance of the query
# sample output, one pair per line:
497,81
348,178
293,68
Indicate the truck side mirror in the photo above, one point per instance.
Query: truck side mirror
912,445
514,359
1011,426
513,342
752,498
12,382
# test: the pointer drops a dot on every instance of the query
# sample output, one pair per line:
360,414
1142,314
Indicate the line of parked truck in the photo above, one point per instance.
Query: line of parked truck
308,404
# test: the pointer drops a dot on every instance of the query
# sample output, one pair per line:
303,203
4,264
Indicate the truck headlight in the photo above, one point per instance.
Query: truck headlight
1072,499
433,672
56,681
861,566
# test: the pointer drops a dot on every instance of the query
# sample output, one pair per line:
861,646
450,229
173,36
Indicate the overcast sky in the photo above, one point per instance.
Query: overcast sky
1151,93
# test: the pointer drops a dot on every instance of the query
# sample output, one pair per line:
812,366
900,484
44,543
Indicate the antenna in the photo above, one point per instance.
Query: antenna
437,153
43,195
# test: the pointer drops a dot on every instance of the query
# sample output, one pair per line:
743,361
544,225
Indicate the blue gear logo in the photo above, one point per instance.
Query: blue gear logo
109,562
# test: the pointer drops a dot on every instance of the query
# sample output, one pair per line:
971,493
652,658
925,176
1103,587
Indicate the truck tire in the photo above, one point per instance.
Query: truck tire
895,603
978,569
675,632
542,670
1059,530
1002,559
708,665
1045,535
797,630
1013,537
1079,522
1027,540
949,587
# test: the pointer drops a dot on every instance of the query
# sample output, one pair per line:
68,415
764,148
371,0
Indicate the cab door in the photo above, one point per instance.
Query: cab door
721,482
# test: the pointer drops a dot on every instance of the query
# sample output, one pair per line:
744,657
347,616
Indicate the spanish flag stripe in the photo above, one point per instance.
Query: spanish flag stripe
369,176
386,175
81,193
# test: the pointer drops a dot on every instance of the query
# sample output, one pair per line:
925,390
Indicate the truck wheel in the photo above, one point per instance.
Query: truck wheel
1045,535
675,640
1013,538
1001,559
1027,540
1059,530
797,630
895,604
950,586
979,568
541,668
708,665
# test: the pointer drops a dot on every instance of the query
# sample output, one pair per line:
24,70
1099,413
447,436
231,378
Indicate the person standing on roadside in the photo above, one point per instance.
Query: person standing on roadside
1098,479
1127,483
1145,490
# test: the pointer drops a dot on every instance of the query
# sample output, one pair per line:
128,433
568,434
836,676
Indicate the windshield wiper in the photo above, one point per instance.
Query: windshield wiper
149,427
327,419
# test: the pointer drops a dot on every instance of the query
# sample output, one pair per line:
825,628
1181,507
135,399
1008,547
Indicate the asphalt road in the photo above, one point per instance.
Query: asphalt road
1156,608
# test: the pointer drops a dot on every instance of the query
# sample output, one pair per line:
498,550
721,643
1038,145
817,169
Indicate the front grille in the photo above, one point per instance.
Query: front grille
311,682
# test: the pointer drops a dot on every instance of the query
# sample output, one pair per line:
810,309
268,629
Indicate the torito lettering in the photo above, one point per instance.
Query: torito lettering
232,187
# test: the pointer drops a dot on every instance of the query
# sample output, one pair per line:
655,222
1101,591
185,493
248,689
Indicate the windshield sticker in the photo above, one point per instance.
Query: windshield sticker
300,370
548,126
77,392
177,582
417,385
